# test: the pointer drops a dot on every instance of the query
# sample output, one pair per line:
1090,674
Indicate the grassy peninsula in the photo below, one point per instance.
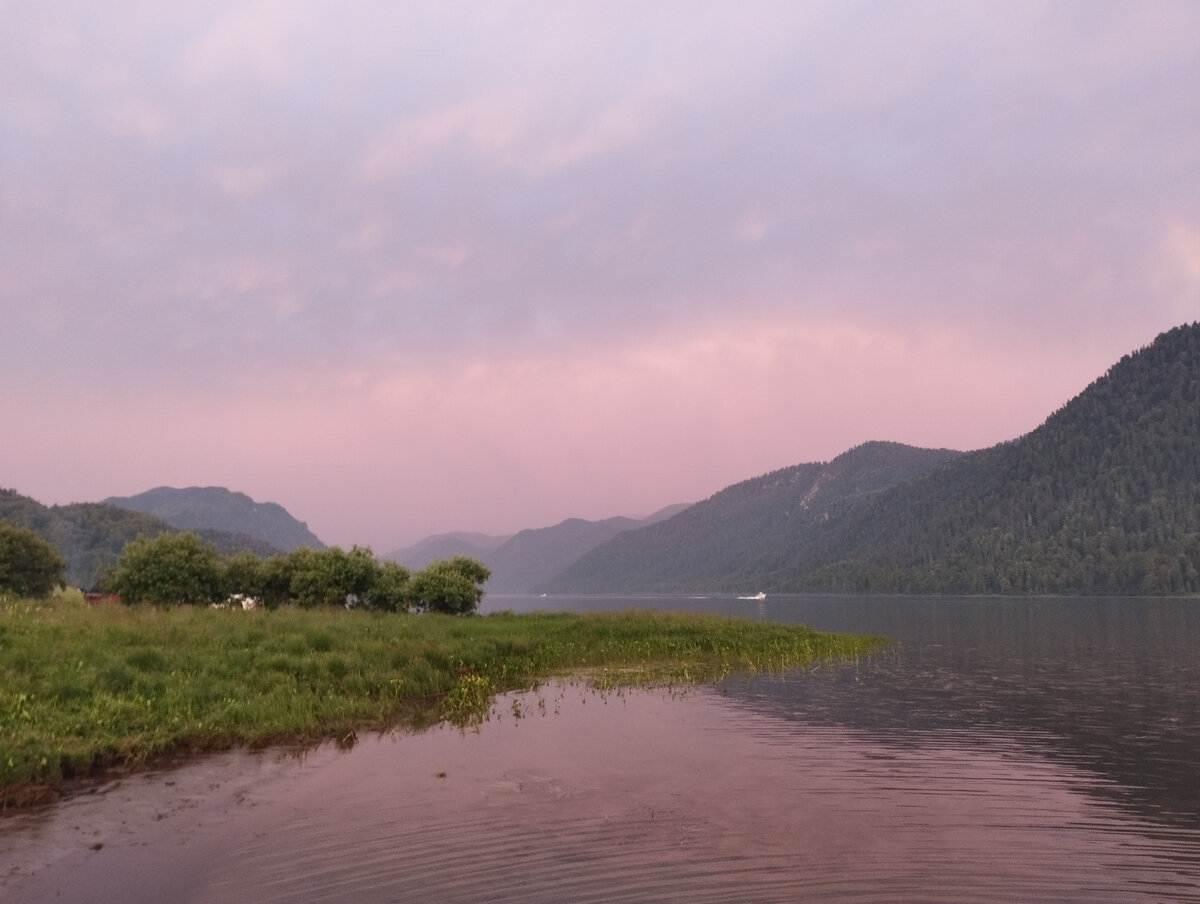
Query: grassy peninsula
85,688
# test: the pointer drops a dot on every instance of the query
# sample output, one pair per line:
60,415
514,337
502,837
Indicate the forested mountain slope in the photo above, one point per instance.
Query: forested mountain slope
710,543
220,509
1104,497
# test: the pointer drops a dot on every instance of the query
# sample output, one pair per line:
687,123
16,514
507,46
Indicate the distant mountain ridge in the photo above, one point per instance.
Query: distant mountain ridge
714,539
220,509
446,546
530,557
1104,497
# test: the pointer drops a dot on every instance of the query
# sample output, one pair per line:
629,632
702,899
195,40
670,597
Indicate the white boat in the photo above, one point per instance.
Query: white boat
758,596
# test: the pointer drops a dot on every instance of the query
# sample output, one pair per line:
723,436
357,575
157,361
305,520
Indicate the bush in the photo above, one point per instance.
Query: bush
391,590
169,569
453,587
245,573
29,566
332,576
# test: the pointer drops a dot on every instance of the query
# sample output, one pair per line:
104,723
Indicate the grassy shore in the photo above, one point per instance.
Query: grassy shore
84,689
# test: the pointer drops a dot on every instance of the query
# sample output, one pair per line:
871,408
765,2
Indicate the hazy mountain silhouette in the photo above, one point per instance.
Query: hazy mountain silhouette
216,508
529,557
446,546
705,544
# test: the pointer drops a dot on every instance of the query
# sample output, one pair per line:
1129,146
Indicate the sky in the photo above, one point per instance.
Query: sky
409,268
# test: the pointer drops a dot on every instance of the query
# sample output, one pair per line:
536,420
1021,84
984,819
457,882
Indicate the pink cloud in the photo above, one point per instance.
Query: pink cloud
424,267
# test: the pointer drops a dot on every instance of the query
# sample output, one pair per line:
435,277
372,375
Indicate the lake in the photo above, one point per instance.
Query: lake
1017,750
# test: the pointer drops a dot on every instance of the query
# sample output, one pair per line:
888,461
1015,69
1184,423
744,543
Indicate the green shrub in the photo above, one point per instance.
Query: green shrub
169,569
29,566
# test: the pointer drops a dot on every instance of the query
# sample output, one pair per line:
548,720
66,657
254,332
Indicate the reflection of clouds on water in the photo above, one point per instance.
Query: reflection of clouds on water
633,796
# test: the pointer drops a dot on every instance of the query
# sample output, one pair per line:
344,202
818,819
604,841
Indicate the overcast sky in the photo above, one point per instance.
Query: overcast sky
407,268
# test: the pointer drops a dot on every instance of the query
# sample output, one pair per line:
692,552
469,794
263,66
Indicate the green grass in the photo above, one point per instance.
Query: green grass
82,689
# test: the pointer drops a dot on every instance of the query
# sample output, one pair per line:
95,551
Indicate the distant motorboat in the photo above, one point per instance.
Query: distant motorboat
758,596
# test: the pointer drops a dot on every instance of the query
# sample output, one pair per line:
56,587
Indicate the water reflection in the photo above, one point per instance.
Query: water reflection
1110,684
1021,752
637,797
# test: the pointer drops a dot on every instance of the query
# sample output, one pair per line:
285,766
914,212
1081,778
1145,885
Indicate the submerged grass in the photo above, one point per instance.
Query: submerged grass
87,688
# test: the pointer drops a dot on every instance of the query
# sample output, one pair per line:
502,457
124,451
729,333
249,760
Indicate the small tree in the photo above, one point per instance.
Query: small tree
451,586
360,571
275,574
29,566
245,574
331,576
169,569
391,590
310,580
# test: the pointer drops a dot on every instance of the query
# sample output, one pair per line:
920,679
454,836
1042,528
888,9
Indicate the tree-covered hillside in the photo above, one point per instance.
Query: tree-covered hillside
1104,497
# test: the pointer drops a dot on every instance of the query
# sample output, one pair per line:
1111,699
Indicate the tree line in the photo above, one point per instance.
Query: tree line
185,569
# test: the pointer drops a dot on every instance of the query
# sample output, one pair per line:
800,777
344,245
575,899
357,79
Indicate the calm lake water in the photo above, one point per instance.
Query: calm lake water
1005,750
